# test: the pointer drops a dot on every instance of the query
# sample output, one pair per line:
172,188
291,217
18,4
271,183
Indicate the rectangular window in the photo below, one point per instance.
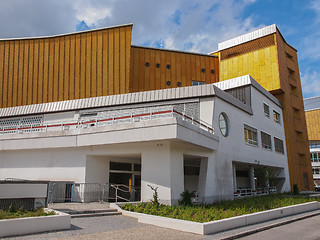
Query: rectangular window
278,145
265,141
196,83
266,110
276,116
250,135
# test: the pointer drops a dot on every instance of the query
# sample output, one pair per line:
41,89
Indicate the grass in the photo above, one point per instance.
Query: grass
20,213
217,211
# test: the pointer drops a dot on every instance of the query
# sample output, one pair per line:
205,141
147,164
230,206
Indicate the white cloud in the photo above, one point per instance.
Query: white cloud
21,18
310,81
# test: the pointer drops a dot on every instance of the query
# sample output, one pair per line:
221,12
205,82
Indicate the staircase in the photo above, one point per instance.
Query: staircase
92,213
81,210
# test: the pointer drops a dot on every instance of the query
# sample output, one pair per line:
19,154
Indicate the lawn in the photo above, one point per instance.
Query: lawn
11,213
221,210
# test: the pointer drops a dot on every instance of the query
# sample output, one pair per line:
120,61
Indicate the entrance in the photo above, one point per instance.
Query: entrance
125,181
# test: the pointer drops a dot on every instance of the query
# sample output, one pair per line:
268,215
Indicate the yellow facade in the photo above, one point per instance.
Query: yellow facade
80,65
313,124
274,64
153,69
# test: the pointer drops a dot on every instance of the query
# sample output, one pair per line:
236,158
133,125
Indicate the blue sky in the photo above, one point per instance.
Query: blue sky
191,25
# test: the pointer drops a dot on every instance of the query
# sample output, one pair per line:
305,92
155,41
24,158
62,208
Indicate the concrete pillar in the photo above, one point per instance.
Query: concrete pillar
202,179
251,176
234,177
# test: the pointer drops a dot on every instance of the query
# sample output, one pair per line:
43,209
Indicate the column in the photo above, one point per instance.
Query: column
234,177
251,176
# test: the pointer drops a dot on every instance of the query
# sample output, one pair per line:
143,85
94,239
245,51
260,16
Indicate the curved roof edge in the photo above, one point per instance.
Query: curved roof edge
67,34
312,103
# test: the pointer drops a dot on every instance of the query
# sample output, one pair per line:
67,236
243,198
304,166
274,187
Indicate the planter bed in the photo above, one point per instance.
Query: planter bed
20,226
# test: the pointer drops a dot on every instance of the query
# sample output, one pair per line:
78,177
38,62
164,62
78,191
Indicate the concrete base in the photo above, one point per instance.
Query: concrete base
21,226
219,225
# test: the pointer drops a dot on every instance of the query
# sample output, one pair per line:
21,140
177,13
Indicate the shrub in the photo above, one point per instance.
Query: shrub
155,196
295,189
186,198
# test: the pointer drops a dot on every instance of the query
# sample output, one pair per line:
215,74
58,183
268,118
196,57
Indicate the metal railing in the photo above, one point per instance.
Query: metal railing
74,192
246,192
120,193
97,122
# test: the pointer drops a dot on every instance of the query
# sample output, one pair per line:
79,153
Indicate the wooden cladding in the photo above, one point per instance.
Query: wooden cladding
153,69
73,66
248,47
313,124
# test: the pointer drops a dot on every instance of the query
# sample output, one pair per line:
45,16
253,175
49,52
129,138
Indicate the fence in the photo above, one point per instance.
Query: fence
91,192
133,116
246,192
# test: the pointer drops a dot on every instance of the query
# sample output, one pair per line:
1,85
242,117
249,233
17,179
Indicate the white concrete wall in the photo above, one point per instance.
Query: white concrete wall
233,147
59,164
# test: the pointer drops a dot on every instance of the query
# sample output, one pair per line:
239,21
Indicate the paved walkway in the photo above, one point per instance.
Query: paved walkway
122,227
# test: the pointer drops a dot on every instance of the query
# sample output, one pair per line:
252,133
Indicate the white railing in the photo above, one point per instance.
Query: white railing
111,120
246,192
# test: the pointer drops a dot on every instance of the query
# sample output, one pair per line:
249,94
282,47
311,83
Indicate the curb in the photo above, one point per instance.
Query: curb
260,229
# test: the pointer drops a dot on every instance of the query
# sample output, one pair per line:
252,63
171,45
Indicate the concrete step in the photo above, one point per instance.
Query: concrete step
96,214
73,212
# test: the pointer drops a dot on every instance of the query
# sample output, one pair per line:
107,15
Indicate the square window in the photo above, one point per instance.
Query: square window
278,145
250,135
265,140
276,117
266,110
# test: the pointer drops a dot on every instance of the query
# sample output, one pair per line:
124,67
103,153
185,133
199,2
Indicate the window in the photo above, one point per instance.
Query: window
278,145
315,157
276,116
266,110
250,135
196,83
223,124
265,141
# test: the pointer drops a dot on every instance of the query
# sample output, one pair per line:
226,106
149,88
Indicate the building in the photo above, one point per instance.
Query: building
175,139
312,109
272,62
55,71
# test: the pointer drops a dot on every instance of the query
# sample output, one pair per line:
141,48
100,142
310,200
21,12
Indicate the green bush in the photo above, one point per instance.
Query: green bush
295,189
186,198
21,213
217,211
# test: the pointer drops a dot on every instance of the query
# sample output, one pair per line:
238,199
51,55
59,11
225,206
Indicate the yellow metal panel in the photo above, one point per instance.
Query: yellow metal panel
20,76
5,74
111,66
40,72
163,69
35,72
25,73
72,72
83,66
56,70
105,63
183,71
116,77
30,73
94,65
77,73
88,66
15,74
66,74
99,64
45,71
141,67
122,60
147,71
152,70
158,70
128,58
1,73
10,75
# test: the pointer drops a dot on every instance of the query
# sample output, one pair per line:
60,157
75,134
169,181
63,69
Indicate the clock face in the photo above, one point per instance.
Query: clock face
223,124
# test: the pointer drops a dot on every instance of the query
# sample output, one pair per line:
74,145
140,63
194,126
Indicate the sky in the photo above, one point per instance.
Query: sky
189,25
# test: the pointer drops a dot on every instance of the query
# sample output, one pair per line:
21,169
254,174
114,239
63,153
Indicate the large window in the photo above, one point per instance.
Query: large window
276,117
278,145
266,110
265,141
250,135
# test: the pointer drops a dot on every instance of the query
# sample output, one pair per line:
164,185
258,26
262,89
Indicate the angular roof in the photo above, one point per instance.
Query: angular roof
312,103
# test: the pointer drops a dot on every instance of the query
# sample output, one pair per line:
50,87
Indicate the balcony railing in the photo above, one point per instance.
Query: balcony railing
167,112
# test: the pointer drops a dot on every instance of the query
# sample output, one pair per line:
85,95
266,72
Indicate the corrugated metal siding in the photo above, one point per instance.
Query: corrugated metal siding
149,69
112,100
80,65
